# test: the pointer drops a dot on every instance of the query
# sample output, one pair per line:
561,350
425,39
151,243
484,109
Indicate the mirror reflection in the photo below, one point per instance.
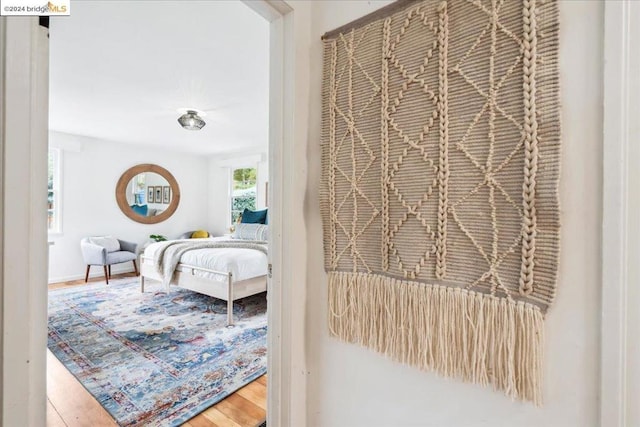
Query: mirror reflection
148,194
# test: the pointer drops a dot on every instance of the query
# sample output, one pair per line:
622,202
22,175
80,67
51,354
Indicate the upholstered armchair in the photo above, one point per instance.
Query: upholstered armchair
106,251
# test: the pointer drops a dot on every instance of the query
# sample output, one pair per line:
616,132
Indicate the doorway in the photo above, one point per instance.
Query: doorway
24,385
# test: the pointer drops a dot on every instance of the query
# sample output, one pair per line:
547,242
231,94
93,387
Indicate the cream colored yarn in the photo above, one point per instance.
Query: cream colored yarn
440,165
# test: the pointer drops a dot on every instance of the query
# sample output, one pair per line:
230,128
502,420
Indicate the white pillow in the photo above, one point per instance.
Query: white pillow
111,244
245,231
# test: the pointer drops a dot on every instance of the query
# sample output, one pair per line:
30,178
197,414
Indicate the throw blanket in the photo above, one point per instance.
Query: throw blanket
168,256
439,196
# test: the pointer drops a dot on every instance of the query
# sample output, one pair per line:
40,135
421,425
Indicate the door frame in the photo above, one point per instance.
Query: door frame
288,123
620,327
23,273
23,138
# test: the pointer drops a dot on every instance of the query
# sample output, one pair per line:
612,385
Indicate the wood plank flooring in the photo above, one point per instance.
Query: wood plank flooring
70,404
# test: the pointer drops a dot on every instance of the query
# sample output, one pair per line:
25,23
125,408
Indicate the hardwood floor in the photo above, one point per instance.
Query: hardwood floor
70,404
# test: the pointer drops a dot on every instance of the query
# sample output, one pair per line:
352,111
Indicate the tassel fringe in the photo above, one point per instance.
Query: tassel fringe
454,332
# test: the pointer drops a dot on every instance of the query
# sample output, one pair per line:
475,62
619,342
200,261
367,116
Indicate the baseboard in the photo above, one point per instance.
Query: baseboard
96,272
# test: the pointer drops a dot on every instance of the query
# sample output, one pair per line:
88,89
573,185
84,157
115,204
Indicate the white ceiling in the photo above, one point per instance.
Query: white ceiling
120,70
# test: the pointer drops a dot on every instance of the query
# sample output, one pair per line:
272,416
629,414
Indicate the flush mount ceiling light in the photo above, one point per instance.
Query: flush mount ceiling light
190,120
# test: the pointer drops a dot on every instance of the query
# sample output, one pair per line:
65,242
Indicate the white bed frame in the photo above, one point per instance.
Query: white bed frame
185,277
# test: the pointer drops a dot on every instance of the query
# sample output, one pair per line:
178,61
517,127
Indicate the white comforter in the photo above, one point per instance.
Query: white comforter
242,263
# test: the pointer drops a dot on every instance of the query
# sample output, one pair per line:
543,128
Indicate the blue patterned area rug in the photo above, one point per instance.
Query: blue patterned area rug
156,359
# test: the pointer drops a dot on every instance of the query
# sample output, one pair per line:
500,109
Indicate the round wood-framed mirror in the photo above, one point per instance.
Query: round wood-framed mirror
147,193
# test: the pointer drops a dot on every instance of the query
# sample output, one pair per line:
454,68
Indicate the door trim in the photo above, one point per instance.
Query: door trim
288,124
620,328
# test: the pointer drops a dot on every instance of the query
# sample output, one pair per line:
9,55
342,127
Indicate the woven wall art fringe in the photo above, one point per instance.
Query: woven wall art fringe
439,194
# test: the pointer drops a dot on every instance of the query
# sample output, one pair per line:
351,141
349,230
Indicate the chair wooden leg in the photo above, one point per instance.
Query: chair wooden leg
135,267
86,276
106,276
109,268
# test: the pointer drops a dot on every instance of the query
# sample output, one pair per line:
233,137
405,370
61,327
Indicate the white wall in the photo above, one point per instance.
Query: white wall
352,386
91,169
220,188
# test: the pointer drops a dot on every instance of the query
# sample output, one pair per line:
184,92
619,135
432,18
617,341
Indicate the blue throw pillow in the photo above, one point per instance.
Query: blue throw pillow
140,209
254,217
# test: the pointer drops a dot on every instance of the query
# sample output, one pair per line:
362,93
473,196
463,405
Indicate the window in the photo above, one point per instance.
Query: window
138,192
243,191
53,199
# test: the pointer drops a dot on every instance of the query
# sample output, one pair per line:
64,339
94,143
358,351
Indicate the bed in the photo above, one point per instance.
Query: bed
220,267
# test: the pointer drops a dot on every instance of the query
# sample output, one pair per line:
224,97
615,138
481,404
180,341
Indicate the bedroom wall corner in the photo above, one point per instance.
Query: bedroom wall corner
91,169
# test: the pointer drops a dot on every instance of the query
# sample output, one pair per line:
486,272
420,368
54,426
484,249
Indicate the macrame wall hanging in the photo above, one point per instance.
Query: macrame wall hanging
439,198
